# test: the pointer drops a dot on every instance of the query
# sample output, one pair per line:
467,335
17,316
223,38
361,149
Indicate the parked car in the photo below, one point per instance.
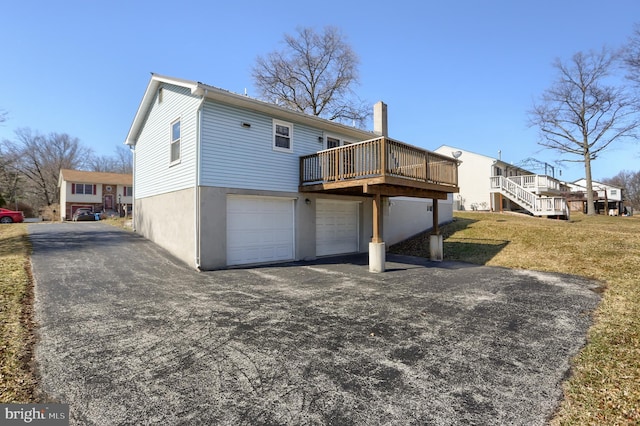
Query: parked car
85,214
11,216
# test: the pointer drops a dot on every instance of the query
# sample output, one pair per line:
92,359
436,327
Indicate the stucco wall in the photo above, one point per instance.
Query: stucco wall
168,220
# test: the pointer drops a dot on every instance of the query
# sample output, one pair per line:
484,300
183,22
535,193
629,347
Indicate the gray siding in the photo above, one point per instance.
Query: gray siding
154,175
234,156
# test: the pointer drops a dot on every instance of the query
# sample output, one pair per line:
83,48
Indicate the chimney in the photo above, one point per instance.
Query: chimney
380,119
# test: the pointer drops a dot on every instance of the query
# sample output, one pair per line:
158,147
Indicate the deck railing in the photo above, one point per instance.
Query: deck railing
378,157
540,184
537,205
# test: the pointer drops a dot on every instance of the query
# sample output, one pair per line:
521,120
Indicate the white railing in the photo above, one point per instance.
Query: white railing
537,205
538,184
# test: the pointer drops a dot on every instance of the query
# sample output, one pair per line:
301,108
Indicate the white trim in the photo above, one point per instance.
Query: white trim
171,142
273,135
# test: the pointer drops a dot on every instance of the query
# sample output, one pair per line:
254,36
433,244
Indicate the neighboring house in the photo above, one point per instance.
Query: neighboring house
490,184
607,199
222,179
95,190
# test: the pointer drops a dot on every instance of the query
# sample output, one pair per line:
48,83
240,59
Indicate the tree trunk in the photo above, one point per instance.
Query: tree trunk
591,211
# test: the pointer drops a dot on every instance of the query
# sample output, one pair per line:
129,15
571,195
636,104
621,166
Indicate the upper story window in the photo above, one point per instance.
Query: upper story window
282,136
83,188
614,191
127,191
175,141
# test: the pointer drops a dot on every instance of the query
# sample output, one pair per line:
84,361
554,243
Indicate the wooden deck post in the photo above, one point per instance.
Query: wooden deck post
377,219
436,229
377,250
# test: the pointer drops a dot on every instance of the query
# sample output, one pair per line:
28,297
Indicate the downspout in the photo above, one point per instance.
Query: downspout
196,191
133,187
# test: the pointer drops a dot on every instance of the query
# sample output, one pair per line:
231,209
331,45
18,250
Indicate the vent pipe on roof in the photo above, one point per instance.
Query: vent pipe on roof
380,119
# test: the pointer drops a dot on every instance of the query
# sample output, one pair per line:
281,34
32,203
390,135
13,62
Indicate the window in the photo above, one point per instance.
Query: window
175,142
127,191
614,192
332,142
282,136
83,188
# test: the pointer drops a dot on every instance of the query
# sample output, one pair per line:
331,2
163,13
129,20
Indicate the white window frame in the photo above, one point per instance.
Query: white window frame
172,142
277,123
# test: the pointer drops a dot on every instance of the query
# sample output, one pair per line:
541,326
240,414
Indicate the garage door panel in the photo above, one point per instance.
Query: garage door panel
336,227
259,230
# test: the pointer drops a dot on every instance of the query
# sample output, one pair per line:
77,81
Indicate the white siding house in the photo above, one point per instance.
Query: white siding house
608,199
490,184
218,181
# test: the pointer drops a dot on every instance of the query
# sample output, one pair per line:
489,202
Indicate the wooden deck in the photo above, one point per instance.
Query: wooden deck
379,166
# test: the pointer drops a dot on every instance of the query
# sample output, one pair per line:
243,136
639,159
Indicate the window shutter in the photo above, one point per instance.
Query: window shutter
73,188
124,191
94,189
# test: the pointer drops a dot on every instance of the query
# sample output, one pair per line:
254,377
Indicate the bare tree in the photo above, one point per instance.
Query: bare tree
120,162
630,182
581,115
39,159
315,74
631,56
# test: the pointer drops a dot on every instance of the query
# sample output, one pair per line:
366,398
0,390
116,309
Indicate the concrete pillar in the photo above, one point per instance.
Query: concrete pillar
436,250
377,257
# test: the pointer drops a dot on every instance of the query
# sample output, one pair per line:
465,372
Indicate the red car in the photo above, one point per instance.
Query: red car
10,216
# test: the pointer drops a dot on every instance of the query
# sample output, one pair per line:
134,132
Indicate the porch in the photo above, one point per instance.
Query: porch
379,166
535,193
382,167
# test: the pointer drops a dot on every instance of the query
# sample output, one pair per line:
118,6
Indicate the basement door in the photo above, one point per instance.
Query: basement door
337,227
259,229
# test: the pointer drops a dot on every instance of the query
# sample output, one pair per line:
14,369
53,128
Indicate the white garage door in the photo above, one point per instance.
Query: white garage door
259,229
336,227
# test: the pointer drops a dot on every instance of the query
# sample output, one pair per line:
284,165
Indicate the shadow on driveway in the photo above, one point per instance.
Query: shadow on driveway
129,335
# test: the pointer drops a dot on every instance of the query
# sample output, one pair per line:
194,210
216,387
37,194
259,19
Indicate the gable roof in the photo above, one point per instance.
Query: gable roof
82,176
241,101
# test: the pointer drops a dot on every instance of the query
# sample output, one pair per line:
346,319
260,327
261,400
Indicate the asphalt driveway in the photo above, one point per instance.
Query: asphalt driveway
129,335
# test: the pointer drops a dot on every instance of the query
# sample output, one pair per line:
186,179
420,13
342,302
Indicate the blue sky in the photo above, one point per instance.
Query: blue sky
462,73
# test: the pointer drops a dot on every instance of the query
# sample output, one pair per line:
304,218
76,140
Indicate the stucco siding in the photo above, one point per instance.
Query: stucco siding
233,156
155,175
170,228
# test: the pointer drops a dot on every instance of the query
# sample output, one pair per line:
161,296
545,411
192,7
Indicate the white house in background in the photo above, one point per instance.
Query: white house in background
222,179
490,184
95,190
608,199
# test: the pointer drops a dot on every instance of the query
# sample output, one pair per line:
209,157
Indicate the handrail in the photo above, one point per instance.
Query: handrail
538,183
538,205
378,157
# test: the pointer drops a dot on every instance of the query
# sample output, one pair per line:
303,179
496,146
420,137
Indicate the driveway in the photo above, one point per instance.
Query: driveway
129,335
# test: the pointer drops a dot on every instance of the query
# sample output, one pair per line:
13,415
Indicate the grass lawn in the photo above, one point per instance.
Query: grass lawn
605,385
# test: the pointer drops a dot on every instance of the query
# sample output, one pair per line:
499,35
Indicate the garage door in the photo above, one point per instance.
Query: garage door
259,229
336,227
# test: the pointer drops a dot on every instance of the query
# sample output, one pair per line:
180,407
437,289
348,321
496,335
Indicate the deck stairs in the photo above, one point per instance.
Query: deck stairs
529,193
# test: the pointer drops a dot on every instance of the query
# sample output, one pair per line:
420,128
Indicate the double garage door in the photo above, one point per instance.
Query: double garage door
262,229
